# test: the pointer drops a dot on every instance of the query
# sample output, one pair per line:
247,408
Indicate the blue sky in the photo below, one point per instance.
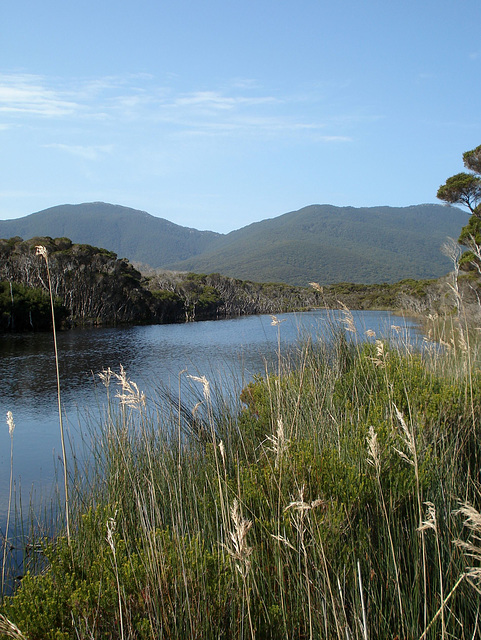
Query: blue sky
218,113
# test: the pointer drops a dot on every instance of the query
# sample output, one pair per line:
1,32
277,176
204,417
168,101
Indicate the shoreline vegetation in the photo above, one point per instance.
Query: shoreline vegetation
92,287
336,496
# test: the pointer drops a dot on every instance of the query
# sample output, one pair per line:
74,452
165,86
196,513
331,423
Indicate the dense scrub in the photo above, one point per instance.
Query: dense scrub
324,504
93,285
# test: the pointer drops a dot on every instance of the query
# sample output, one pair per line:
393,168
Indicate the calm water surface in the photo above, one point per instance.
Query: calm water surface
223,350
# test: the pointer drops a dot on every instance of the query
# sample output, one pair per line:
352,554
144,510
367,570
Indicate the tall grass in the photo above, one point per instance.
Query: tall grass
42,251
329,502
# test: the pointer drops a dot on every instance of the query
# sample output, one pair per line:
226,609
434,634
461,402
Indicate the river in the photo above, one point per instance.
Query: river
227,351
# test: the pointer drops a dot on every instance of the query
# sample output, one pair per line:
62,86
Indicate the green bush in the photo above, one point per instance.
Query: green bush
27,309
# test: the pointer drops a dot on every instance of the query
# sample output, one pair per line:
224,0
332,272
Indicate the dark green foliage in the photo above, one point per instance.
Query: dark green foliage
463,188
78,596
416,295
94,287
215,296
27,309
472,159
471,232
170,308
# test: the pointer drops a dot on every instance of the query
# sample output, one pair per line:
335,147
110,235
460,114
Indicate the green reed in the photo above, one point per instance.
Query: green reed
324,501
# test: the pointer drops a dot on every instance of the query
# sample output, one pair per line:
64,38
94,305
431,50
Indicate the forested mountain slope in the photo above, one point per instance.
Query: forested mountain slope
330,244
130,233
320,243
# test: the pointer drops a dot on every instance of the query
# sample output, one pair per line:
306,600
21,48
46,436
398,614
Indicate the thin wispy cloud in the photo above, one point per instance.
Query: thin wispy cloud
29,95
85,152
240,108
216,100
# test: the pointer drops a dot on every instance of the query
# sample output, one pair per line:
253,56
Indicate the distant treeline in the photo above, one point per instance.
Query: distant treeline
91,286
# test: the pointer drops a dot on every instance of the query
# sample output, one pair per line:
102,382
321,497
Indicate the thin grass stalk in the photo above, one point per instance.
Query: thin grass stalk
275,322
431,523
328,579
210,415
375,459
343,608
302,371
302,531
442,607
42,251
11,429
364,619
240,553
410,443
179,532
179,420
111,524
278,442
9,629
453,251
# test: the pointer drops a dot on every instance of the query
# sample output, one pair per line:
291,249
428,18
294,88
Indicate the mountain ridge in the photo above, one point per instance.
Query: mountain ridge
359,244
321,243
115,227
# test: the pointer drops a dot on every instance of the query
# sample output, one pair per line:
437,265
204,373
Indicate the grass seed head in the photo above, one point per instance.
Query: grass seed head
40,250
10,423
380,359
301,506
431,521
472,521
130,395
317,287
9,629
408,439
239,550
275,322
205,384
374,456
111,526
347,318
222,451
105,376
278,441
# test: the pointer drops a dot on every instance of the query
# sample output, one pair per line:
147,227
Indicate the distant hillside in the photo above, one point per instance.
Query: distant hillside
130,233
319,243
328,244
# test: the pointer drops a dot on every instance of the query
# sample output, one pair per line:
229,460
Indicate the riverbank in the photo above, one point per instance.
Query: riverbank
332,500
92,287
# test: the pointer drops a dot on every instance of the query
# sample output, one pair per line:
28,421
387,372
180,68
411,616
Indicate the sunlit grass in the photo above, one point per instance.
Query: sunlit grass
327,501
